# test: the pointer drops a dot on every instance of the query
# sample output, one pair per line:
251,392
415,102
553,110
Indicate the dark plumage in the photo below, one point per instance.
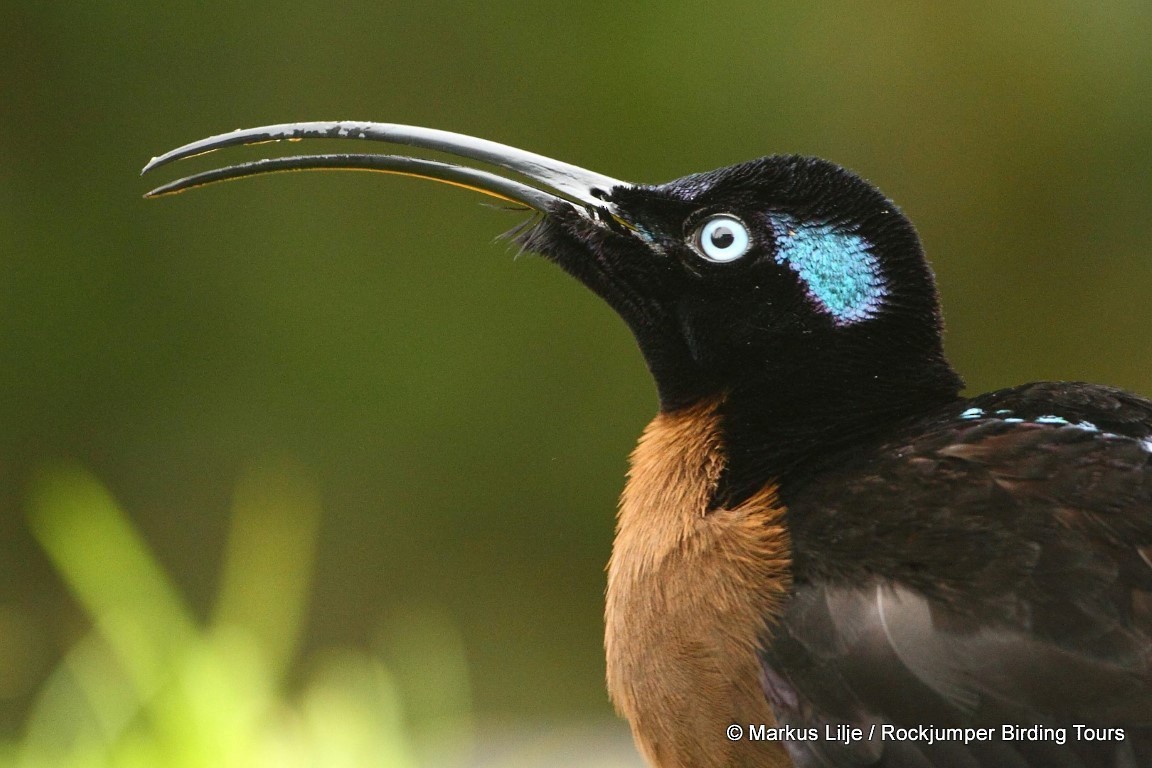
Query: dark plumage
819,534
983,569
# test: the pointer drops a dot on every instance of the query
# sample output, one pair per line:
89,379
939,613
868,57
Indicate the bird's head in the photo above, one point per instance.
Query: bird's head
787,278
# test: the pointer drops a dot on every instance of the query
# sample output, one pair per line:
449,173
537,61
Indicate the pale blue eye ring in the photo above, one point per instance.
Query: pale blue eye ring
722,239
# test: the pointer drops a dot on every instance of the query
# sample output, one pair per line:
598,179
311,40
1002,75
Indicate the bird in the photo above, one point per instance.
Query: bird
826,553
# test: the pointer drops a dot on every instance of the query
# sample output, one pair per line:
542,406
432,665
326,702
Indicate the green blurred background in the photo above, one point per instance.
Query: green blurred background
463,417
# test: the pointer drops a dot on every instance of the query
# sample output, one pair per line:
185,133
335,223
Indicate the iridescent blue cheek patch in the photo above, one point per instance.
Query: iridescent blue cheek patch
837,267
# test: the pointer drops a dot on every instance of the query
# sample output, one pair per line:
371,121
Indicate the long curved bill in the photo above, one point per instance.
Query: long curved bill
559,182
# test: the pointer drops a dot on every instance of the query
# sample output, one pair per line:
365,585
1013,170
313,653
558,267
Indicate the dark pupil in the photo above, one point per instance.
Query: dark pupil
722,237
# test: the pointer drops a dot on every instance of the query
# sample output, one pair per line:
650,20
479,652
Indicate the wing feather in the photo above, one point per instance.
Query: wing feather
977,572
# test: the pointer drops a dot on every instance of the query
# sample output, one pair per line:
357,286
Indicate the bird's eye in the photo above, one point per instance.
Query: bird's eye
723,238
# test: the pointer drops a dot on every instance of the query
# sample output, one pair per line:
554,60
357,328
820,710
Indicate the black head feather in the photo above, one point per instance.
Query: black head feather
829,322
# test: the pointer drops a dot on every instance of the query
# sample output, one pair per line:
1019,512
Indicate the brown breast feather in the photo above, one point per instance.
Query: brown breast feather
691,592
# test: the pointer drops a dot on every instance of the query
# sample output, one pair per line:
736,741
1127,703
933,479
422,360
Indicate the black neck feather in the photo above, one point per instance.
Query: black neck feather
783,425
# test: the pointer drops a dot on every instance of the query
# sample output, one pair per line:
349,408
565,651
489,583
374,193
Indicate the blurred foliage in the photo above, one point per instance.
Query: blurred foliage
149,687
466,415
